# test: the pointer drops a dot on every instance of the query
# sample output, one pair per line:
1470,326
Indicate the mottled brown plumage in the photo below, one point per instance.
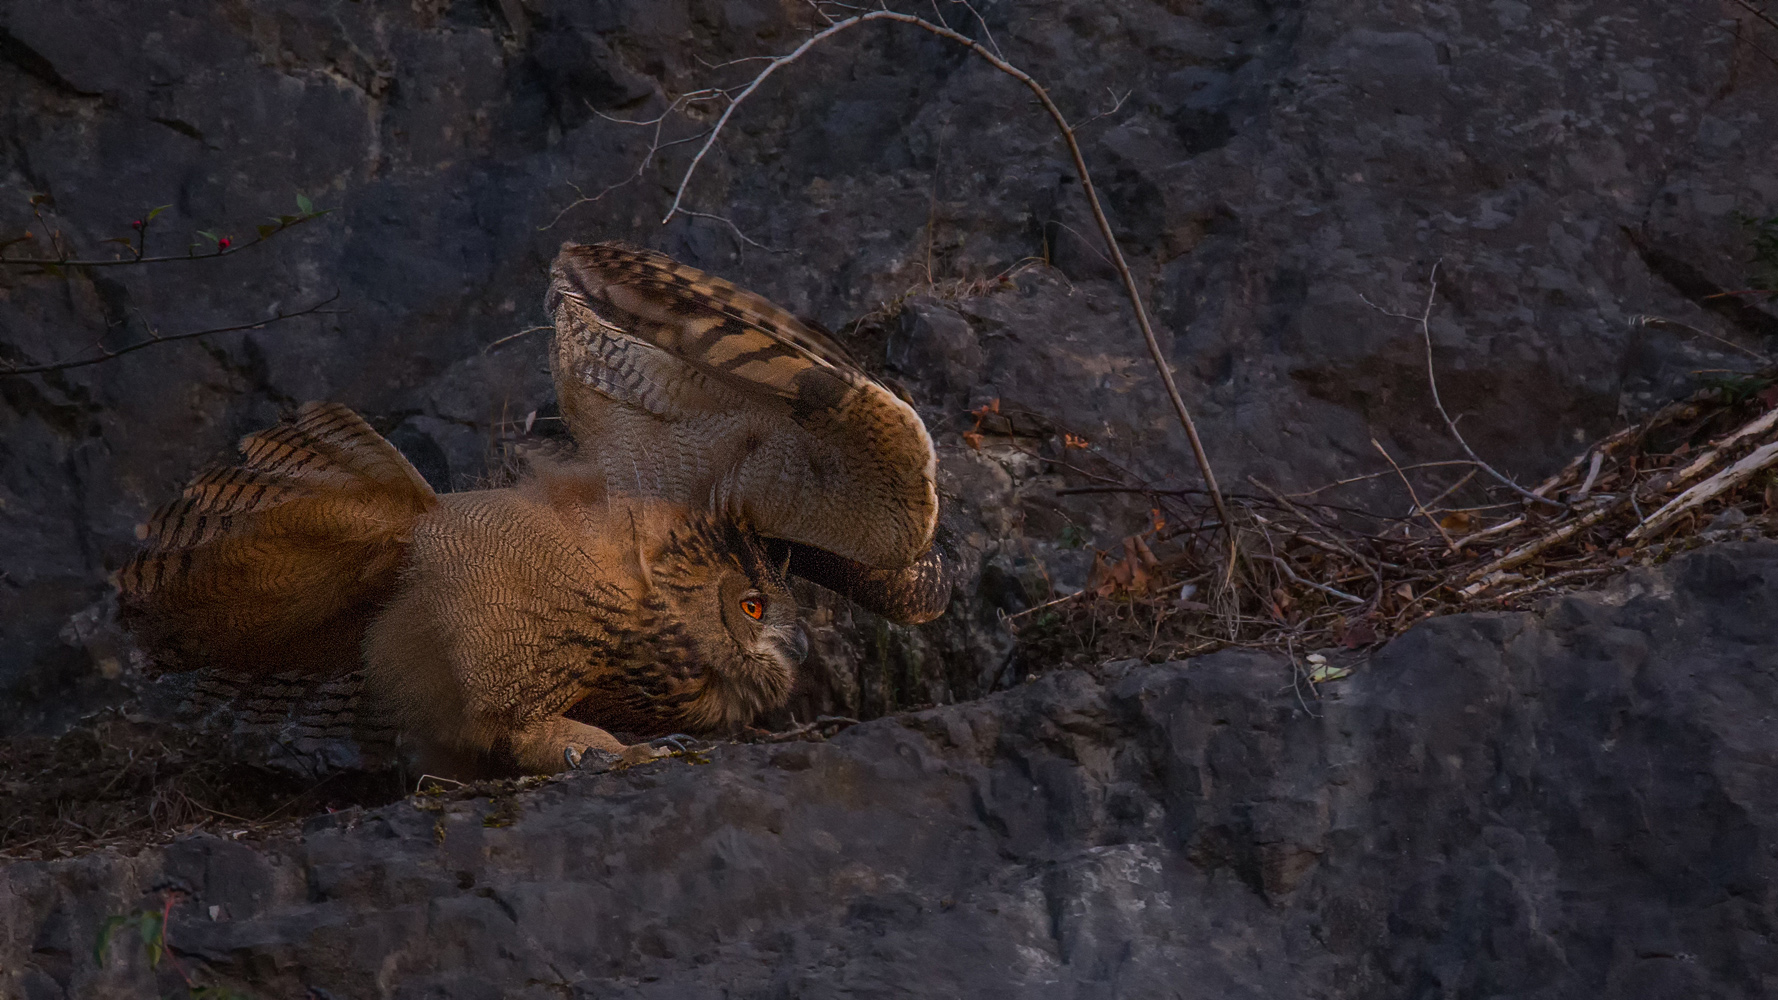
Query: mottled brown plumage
636,587
520,607
702,393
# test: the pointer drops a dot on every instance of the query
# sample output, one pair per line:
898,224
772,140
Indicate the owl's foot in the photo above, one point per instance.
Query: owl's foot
592,759
675,743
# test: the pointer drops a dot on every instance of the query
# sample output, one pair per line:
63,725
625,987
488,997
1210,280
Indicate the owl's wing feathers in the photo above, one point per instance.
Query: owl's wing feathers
277,564
912,595
796,439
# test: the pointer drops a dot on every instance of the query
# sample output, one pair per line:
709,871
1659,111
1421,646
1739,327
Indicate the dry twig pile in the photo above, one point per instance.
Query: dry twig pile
1315,574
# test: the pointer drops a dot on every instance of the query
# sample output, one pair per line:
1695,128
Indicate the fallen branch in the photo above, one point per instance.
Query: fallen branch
1552,580
1733,476
155,338
1080,167
1524,553
1312,585
1752,428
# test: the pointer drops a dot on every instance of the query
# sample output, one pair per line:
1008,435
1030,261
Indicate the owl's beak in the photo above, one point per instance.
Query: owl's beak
795,645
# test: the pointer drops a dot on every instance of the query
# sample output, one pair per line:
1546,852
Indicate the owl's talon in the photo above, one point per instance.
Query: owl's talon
591,759
678,742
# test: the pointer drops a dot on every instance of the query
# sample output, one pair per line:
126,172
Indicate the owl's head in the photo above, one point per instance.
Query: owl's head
731,618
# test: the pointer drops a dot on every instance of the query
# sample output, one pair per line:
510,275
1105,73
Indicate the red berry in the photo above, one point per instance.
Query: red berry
222,244
136,225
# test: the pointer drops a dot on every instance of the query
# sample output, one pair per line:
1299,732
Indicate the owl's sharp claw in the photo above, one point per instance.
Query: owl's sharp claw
677,742
590,759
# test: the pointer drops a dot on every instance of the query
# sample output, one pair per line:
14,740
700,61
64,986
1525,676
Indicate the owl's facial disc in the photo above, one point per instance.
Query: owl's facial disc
761,616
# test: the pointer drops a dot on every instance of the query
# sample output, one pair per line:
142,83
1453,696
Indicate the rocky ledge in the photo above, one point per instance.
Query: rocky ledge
1573,802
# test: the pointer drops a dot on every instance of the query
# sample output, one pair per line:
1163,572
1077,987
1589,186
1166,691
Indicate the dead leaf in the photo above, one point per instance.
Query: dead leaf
1099,579
1353,634
973,439
1137,549
1405,592
1458,521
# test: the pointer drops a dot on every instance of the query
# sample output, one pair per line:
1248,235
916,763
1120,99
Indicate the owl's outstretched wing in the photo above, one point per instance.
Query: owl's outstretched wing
278,563
915,594
687,387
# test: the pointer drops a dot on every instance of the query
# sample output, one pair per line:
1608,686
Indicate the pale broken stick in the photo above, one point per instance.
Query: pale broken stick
1758,425
1525,552
1755,427
1716,485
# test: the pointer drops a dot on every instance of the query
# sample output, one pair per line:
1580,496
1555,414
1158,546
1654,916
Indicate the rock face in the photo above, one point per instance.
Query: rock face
1274,165
1575,802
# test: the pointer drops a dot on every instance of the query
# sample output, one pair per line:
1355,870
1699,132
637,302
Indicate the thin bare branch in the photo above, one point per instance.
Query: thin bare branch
743,237
1425,321
1312,585
1675,324
1415,497
66,261
154,338
1080,166
989,35
655,145
1757,12
1380,475
514,336
1117,104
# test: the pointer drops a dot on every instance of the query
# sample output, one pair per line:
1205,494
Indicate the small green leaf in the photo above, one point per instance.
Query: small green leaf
304,205
206,234
125,240
156,211
265,230
150,926
106,930
288,219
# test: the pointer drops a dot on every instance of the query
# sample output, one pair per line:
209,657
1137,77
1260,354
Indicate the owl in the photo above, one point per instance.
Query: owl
633,588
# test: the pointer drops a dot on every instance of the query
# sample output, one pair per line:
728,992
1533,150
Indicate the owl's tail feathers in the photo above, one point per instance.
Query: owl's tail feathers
278,564
913,595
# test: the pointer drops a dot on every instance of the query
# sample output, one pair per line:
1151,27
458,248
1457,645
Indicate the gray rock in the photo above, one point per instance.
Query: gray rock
1575,802
1274,165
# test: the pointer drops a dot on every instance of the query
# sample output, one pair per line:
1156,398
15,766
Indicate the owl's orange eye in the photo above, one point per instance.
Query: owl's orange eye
753,608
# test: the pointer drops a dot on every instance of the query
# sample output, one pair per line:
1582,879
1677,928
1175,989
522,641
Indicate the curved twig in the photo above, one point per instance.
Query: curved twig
1080,168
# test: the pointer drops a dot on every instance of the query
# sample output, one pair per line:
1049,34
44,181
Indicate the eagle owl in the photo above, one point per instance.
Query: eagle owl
637,586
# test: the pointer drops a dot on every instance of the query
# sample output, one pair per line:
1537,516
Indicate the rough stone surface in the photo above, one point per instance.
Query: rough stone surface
1274,164
1574,802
